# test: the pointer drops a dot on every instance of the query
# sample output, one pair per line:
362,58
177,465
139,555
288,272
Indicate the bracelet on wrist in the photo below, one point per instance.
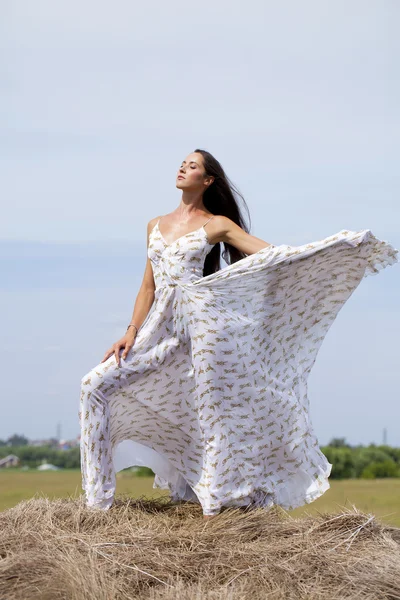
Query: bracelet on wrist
132,325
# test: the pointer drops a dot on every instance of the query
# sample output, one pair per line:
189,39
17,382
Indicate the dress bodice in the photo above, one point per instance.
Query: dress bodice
181,261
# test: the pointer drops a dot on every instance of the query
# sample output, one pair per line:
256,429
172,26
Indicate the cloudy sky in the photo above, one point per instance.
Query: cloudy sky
100,102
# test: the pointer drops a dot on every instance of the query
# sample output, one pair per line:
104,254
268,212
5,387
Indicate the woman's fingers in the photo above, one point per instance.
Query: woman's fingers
107,355
127,348
116,348
116,352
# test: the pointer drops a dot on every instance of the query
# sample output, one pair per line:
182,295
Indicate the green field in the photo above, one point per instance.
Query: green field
380,497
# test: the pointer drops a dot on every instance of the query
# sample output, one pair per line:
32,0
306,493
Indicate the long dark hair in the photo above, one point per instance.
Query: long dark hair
220,199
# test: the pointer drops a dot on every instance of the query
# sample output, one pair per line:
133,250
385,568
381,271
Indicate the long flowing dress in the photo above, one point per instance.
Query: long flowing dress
213,394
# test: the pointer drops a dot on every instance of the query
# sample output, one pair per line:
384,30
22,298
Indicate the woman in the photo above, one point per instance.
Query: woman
210,390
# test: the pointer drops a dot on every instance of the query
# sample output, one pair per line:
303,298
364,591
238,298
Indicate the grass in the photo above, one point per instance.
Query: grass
16,485
378,496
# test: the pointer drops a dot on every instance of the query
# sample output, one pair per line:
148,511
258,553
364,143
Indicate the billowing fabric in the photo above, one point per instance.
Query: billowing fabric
213,394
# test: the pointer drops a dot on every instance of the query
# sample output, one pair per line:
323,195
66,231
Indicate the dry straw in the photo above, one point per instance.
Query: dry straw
157,549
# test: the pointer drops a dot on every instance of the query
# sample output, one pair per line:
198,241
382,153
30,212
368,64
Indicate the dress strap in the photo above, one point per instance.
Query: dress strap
209,220
155,226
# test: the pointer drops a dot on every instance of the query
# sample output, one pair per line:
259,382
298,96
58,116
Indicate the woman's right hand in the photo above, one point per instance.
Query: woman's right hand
126,342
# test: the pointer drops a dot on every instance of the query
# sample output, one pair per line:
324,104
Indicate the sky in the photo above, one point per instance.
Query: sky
100,102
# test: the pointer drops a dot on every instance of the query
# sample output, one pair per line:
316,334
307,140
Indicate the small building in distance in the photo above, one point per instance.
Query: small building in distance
47,467
9,461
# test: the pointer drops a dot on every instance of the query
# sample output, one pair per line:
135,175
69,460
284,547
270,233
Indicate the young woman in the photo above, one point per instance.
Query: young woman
208,386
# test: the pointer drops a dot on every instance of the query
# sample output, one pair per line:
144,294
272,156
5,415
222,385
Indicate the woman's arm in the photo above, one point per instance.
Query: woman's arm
143,303
223,229
145,296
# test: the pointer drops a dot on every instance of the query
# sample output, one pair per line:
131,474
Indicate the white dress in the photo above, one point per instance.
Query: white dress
213,394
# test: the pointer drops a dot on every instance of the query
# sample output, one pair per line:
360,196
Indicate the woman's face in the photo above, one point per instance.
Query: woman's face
191,174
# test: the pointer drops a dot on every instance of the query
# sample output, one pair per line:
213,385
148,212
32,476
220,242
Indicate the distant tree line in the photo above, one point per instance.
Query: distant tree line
15,440
33,456
366,462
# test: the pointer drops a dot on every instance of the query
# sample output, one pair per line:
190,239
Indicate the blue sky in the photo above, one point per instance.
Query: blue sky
99,105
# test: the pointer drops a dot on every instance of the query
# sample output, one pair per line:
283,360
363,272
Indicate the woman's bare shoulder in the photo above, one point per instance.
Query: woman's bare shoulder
153,222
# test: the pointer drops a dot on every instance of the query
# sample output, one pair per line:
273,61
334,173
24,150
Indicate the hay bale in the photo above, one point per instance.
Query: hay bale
157,549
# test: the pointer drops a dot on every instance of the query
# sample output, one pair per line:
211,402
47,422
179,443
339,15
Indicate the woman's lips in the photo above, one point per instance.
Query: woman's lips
180,177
